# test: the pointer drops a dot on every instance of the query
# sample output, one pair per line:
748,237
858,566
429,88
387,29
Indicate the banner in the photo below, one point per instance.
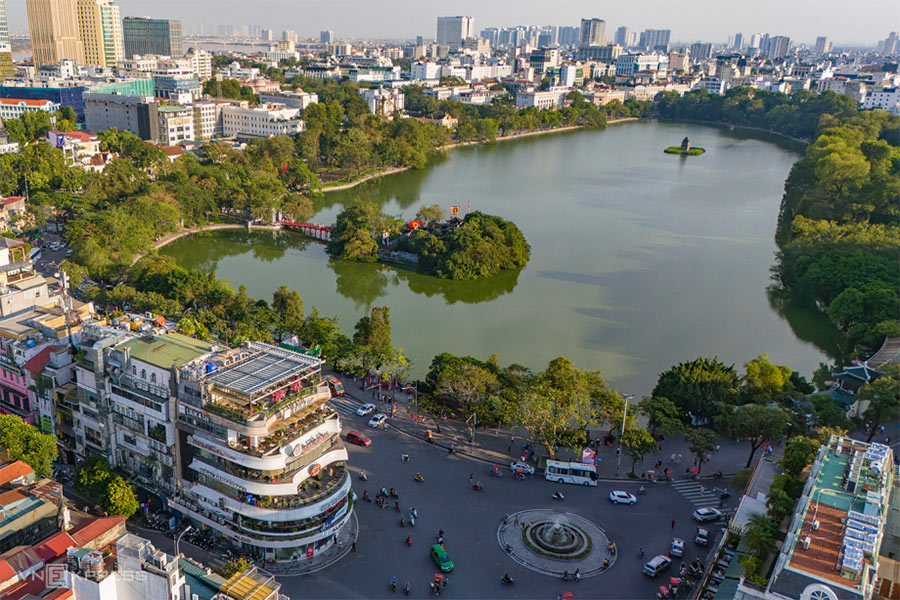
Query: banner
587,456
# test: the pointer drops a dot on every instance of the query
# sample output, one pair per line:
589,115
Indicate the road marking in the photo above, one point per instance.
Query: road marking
696,493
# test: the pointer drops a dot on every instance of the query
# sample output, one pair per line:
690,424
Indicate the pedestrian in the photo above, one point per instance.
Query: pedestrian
353,546
673,523
881,429
517,520
509,449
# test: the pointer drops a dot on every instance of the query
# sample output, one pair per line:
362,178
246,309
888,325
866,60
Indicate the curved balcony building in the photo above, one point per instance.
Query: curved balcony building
261,457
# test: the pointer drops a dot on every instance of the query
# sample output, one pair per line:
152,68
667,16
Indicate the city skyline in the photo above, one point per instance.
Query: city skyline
364,20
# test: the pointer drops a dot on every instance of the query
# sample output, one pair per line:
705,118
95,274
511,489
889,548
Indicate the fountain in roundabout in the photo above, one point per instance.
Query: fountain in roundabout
554,542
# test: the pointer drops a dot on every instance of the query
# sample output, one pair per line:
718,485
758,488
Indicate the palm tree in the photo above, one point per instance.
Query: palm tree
761,536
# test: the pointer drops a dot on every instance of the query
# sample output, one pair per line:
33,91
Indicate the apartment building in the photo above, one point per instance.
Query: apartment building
143,35
384,101
262,460
208,118
6,63
555,97
176,124
290,98
265,120
137,114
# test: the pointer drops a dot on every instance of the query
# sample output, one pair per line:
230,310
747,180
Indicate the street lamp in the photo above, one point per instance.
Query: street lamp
178,539
627,397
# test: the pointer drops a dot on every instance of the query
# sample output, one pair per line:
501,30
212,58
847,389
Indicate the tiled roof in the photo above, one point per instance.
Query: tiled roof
90,531
11,497
6,571
54,546
11,200
81,136
822,558
17,102
37,362
14,470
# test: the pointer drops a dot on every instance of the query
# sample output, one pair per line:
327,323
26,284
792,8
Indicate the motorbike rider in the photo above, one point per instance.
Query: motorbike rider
409,540
393,584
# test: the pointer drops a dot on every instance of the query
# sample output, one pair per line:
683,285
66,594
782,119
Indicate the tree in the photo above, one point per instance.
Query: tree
702,443
638,443
93,476
432,213
372,338
119,498
24,442
764,380
466,385
698,388
662,415
780,505
550,415
761,536
799,452
883,396
288,307
758,425
235,565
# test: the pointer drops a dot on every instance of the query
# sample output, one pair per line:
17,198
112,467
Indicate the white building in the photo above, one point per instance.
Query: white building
424,70
383,101
208,118
886,99
265,120
201,63
135,571
629,64
555,97
77,146
714,86
13,108
291,99
176,124
451,31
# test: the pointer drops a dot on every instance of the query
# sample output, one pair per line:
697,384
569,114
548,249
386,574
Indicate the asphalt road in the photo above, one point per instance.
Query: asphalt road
470,520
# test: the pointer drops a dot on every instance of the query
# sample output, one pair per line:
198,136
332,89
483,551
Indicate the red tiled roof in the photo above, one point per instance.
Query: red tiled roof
14,470
81,136
59,594
172,150
36,363
91,530
17,102
822,556
54,546
11,200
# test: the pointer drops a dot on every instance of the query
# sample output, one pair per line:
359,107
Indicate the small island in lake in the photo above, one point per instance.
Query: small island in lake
685,149
472,247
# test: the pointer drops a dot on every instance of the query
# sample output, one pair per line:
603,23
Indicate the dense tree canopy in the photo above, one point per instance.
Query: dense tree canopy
24,442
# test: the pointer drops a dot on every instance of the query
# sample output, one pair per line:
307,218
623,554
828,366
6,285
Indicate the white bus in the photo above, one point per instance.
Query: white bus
570,472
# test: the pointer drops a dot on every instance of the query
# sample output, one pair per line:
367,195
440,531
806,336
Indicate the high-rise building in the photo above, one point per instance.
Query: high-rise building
54,31
568,36
549,36
266,35
738,41
700,51
326,36
151,36
593,33
6,65
100,29
755,40
655,39
451,31
621,37
823,45
891,44
778,46
289,35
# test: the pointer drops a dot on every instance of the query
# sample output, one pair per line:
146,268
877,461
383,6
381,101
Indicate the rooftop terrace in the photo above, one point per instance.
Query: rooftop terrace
167,350
260,366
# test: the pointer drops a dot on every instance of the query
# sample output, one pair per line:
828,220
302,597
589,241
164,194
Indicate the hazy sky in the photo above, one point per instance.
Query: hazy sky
853,21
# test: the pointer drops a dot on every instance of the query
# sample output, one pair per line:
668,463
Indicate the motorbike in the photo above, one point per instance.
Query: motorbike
507,580
642,491
717,475
412,521
558,496
409,541
478,487
363,476
406,588
418,478
413,512
394,584
393,493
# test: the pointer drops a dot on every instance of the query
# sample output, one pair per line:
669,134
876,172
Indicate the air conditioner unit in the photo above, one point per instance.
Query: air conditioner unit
806,541
815,525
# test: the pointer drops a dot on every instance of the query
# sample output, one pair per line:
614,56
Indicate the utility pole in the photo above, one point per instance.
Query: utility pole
627,397
178,539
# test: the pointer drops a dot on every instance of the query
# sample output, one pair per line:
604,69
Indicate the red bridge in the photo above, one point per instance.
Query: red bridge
314,230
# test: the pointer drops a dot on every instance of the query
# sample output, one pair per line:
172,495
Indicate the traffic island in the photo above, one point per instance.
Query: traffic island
554,542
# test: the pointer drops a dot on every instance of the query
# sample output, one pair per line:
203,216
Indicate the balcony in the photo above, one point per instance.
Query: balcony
309,491
252,412
257,476
288,430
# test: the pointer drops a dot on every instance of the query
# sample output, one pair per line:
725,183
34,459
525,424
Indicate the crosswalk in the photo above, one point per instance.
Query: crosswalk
697,493
345,406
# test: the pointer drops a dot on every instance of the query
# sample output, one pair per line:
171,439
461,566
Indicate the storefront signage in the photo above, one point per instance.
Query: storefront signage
193,441
315,469
209,473
194,413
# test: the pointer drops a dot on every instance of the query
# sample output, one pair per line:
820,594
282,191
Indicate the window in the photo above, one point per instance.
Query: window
152,377
143,373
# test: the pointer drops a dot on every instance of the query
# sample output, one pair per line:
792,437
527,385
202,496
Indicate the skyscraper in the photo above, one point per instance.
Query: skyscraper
701,51
778,46
54,31
568,36
144,35
100,30
655,39
738,41
823,45
6,65
593,33
326,36
451,31
621,37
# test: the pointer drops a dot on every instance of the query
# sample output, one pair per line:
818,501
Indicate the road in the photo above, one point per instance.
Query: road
470,520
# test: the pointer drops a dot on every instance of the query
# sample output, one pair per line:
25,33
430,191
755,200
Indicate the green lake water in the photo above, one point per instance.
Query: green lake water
639,259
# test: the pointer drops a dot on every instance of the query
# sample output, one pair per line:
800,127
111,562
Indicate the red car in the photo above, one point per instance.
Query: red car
355,437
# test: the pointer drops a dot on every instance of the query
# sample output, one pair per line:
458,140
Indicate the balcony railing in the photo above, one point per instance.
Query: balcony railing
296,426
257,476
310,491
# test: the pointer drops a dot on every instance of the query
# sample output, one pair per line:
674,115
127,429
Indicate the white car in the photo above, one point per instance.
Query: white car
620,497
378,420
365,409
707,513
522,466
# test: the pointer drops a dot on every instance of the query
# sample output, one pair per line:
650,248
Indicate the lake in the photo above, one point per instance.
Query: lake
639,259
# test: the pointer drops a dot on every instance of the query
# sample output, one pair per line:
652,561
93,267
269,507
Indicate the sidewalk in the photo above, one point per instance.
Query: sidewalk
503,446
346,537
